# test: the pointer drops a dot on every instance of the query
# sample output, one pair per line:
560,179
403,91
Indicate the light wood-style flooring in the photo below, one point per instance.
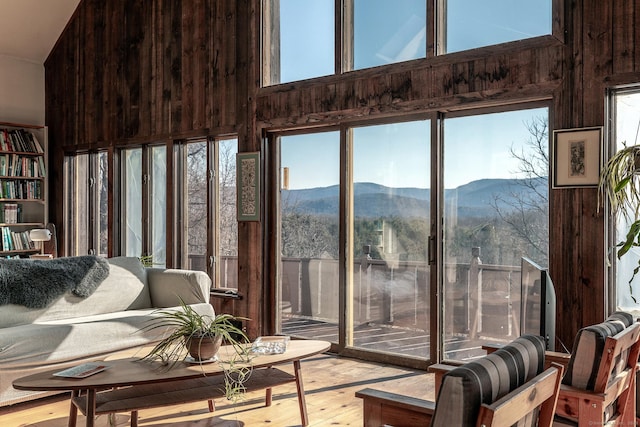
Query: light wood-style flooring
330,384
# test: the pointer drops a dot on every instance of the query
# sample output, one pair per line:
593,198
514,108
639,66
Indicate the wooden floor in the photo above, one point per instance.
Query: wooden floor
330,383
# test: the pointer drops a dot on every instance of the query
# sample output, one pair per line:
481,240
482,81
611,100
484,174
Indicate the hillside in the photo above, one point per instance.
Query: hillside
374,201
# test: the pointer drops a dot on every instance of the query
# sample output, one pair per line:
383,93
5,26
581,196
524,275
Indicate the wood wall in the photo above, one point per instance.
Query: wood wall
133,71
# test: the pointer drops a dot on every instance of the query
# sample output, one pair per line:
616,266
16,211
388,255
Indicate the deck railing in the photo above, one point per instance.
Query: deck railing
479,298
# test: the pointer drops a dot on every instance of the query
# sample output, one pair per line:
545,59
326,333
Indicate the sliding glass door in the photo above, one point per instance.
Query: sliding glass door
496,210
309,235
388,305
367,246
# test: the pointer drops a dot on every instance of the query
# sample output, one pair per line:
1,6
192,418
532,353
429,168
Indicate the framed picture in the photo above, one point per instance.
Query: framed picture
248,186
576,157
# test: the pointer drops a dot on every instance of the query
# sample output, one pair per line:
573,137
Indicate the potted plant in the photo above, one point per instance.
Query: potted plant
189,332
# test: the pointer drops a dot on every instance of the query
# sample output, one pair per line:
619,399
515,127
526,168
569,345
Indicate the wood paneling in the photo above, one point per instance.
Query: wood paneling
127,72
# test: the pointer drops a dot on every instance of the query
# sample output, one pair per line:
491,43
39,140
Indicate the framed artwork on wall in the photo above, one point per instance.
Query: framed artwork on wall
248,186
576,157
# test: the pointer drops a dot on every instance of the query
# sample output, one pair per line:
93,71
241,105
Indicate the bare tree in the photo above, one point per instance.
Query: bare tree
227,198
526,209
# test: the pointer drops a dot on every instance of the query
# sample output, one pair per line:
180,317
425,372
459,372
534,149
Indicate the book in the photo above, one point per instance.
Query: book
82,371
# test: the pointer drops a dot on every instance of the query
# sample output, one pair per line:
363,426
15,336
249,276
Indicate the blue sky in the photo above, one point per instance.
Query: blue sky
398,155
394,30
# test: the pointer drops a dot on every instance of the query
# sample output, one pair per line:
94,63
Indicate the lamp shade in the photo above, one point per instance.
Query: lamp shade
40,235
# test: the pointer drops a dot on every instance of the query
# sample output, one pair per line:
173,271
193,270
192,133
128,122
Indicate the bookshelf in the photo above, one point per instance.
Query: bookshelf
23,187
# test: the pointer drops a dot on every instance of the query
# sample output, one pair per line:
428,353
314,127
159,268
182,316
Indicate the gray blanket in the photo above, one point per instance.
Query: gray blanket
38,283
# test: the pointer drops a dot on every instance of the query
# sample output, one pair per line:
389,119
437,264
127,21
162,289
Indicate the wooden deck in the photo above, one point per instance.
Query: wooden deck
375,337
330,383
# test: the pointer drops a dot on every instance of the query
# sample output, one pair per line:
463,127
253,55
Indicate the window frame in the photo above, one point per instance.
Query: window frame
343,38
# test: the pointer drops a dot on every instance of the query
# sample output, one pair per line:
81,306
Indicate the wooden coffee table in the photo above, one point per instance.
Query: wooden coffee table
129,384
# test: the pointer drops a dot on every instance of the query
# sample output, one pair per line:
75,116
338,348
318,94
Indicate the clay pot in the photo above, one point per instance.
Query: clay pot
203,347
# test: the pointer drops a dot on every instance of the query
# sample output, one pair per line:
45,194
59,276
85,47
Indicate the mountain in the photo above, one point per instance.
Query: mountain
374,200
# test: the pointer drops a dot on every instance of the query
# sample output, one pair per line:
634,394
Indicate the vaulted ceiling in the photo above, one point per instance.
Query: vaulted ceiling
30,28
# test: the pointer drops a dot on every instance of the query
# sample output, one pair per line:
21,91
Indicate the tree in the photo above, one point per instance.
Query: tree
527,215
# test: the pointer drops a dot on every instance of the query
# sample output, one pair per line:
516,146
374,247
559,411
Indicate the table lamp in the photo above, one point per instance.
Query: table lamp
40,235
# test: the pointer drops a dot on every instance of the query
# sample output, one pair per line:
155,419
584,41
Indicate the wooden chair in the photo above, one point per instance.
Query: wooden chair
600,382
599,386
506,387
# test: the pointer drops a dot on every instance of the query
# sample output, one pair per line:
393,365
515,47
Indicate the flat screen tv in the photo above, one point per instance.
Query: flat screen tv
538,303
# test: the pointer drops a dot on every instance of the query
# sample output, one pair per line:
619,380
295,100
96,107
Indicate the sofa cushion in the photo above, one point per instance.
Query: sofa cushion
582,369
125,288
485,380
168,286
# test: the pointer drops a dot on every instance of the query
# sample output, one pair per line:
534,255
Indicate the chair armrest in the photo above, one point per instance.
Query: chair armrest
384,408
168,286
556,357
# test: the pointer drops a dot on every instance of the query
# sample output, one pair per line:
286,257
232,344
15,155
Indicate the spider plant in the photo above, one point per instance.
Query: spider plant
619,185
186,325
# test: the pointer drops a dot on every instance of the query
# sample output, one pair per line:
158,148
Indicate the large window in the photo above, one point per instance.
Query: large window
496,210
299,38
390,224
626,126
200,203
370,223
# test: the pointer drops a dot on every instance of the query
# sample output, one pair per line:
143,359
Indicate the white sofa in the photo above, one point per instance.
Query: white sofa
73,330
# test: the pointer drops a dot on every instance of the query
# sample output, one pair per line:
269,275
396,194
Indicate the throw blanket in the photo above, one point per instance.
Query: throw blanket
37,283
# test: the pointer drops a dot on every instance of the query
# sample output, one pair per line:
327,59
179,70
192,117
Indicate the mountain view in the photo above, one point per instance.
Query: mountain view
475,199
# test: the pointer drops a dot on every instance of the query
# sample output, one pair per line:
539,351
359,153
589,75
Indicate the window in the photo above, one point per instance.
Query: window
385,294
495,193
390,226
309,235
626,124
227,242
86,203
131,203
194,203
377,188
203,234
158,205
385,32
143,203
206,228
299,39
471,23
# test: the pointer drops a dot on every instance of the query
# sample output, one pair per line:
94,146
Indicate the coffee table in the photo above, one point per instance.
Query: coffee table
148,384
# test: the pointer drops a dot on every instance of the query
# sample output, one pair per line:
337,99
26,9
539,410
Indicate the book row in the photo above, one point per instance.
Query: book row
16,165
10,213
16,240
20,189
19,140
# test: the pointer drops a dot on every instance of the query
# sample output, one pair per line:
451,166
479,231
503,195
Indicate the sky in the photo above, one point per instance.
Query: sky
384,33
398,155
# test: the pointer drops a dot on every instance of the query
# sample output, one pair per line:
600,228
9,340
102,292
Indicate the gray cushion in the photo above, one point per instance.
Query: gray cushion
588,347
485,380
168,287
